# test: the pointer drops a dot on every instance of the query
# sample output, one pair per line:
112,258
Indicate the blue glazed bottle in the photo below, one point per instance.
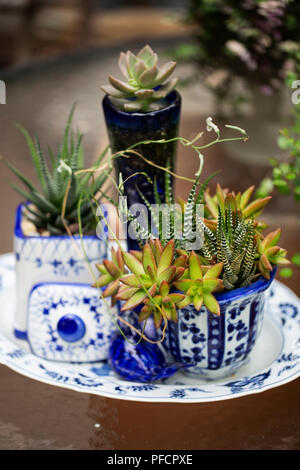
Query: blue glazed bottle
125,129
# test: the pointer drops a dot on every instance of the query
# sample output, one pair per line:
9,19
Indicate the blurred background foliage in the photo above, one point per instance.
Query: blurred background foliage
253,41
236,61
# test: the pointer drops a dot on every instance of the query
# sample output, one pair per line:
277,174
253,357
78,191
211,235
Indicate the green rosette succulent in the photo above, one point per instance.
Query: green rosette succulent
146,275
167,301
145,85
110,273
156,273
198,287
269,253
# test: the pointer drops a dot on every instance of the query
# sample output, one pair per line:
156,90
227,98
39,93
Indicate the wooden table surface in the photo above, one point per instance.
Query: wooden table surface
34,415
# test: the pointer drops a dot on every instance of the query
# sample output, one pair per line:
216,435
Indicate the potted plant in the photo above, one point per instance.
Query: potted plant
144,107
204,285
55,241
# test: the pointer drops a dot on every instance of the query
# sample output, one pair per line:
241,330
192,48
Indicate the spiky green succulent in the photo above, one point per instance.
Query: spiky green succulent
58,179
237,242
233,244
146,84
178,219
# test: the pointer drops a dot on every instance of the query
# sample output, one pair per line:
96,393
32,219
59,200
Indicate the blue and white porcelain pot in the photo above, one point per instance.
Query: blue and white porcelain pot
216,346
54,295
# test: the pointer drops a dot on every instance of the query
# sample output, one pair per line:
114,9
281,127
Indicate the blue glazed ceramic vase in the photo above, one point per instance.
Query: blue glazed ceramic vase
217,346
126,129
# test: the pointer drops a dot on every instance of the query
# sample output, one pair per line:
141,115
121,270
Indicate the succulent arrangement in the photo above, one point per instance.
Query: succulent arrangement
191,251
63,177
165,275
145,85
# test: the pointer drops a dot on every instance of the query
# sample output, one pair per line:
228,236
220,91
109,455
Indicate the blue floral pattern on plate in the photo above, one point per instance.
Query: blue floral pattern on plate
268,367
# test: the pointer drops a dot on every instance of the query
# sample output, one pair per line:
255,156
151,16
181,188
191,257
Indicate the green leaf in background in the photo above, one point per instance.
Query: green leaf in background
283,142
281,185
296,259
286,272
273,161
265,188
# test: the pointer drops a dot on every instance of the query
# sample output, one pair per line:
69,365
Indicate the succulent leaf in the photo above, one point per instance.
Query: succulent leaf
166,257
164,72
214,271
148,259
135,300
125,294
123,65
168,274
211,303
245,197
130,280
133,264
195,270
121,86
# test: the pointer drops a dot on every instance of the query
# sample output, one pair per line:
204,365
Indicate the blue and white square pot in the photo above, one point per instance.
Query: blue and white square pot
44,263
214,346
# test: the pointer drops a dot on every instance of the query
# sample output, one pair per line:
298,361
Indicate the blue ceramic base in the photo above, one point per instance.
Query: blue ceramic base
137,360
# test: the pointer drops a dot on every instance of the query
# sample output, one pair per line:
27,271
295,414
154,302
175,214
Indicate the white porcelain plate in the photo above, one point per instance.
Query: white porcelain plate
274,361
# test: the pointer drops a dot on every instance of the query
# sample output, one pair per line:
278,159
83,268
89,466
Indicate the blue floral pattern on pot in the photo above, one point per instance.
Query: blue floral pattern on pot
216,346
68,323
41,259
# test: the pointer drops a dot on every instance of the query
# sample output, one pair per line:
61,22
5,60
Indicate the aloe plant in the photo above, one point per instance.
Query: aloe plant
146,84
180,218
57,180
233,244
